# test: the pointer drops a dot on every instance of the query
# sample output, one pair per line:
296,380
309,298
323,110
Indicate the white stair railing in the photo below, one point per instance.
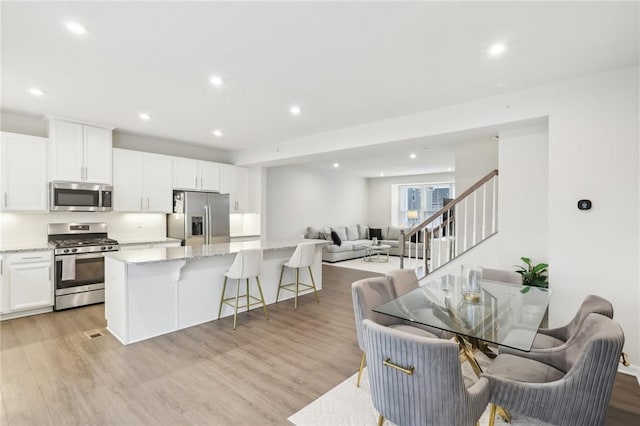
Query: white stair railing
456,228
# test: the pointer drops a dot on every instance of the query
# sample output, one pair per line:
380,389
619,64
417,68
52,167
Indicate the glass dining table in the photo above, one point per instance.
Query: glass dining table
491,312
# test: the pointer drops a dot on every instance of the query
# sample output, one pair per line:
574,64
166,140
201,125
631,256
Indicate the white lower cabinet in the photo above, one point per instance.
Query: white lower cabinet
26,281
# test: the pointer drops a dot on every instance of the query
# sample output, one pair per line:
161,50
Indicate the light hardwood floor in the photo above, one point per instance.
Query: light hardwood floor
260,374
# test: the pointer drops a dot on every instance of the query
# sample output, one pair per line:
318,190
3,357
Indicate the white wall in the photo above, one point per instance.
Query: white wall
26,229
593,152
379,192
298,197
474,160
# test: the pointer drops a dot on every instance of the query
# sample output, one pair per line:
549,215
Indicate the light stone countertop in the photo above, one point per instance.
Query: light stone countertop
169,254
15,248
132,241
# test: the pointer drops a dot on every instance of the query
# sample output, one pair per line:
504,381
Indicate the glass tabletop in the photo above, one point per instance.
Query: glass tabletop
495,312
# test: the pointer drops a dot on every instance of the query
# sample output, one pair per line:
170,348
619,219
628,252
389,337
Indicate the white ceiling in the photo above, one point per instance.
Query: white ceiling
343,63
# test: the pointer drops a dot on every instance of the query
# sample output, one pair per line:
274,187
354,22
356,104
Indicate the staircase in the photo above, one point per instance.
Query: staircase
456,228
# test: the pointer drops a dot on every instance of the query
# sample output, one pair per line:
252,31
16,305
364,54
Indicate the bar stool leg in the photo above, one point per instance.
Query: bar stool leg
224,287
264,305
247,294
280,283
295,304
313,283
235,312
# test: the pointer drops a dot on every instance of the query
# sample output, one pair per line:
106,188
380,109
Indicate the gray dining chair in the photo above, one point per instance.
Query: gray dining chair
547,338
568,385
418,381
402,282
501,275
367,294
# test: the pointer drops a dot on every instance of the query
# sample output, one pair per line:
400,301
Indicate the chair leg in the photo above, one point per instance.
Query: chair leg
247,294
235,311
295,303
224,287
492,415
363,360
280,283
313,283
264,305
380,420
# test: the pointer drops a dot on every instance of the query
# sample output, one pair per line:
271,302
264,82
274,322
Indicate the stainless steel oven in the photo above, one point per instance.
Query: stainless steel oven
80,197
79,262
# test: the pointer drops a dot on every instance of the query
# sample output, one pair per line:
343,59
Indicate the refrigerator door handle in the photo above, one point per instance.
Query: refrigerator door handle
206,224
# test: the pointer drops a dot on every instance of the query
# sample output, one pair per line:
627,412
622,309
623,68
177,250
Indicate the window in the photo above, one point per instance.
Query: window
418,202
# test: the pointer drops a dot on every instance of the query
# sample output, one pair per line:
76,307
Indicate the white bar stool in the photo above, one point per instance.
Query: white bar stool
302,258
247,264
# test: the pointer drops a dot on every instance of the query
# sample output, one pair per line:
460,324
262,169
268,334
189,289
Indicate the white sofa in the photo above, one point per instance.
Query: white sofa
356,239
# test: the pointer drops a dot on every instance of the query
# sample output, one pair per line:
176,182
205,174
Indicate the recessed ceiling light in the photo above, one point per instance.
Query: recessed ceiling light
217,133
412,156
216,80
449,169
36,92
295,110
336,165
144,116
76,28
497,49
382,174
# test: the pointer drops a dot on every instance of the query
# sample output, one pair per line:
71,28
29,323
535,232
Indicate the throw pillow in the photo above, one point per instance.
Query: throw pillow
363,232
352,233
341,231
375,232
394,233
326,236
336,239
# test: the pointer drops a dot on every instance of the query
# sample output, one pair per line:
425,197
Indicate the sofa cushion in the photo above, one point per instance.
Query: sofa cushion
341,231
333,248
375,233
393,233
363,232
392,243
336,238
360,244
352,233
314,233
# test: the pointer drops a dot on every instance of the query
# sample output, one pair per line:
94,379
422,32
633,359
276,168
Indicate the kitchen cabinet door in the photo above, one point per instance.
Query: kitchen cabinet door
27,281
209,176
241,192
23,180
185,173
98,146
159,194
227,180
66,157
127,181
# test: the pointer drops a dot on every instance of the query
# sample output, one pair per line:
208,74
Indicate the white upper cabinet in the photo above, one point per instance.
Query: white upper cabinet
235,182
195,175
141,182
23,173
79,152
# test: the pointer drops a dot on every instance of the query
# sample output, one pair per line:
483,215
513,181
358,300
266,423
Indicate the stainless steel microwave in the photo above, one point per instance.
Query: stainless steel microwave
80,197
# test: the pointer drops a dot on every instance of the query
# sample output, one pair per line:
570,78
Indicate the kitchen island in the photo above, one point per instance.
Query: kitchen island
155,291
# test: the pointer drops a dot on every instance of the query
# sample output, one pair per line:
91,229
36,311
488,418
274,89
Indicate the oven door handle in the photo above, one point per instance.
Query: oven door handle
80,256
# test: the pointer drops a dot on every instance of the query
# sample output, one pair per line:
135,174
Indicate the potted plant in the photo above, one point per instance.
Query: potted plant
533,275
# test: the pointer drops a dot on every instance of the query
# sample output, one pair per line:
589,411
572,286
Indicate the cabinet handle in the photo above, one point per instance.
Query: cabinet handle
81,173
201,183
86,173
148,204
196,181
140,203
5,199
31,257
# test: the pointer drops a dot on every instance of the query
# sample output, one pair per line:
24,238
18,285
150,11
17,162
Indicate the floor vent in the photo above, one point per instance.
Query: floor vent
93,334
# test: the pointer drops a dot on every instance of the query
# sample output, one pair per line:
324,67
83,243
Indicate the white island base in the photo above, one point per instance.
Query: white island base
157,291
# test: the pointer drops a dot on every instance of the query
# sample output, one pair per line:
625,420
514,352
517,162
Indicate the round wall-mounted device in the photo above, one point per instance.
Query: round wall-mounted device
584,205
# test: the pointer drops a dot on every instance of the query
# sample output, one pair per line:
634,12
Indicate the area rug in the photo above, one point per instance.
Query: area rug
378,267
347,405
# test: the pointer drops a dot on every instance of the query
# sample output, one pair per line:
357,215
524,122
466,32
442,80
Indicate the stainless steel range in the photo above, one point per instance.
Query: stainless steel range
79,262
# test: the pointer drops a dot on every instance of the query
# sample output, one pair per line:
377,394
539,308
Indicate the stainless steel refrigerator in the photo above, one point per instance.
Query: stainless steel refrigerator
199,218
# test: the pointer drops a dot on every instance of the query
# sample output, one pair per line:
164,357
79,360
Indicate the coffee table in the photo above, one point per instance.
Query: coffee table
375,253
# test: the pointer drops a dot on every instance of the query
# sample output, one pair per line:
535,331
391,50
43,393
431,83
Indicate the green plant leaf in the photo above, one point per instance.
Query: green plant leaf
540,267
524,290
526,260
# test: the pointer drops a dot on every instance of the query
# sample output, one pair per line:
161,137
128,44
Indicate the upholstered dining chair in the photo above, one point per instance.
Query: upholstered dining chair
501,275
367,294
568,385
302,258
402,282
547,338
418,381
